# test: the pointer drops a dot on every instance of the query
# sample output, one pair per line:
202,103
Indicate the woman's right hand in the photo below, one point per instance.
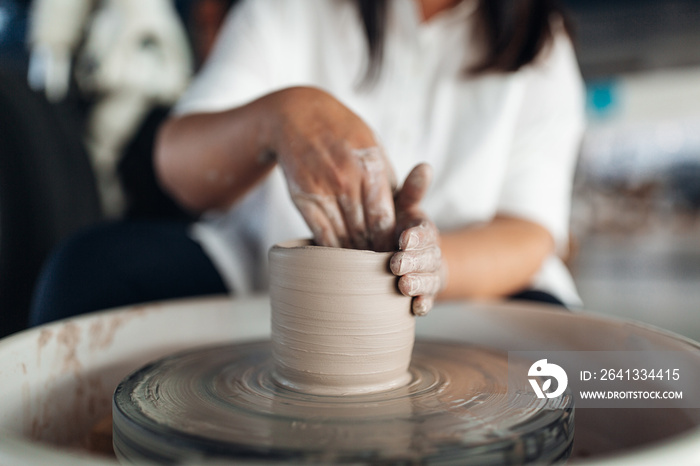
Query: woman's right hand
337,173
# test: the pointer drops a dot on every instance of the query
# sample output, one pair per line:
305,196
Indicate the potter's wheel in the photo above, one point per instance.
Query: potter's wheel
223,402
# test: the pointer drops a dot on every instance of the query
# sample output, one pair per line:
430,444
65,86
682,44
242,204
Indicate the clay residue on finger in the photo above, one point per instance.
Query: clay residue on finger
371,158
379,212
417,284
355,219
419,235
422,305
325,205
423,260
409,240
381,232
374,159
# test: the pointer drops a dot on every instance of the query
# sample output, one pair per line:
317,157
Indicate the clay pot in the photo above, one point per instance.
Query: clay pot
339,323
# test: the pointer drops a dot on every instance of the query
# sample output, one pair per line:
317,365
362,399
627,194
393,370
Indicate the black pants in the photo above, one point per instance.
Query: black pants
537,296
118,264
125,263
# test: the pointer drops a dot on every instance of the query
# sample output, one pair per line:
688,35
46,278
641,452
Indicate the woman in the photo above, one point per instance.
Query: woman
308,111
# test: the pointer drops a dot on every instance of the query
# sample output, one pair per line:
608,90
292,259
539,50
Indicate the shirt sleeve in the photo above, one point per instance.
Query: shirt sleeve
545,143
240,67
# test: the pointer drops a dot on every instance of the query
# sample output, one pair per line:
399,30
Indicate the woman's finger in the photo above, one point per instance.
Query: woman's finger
423,235
353,212
317,220
381,221
421,305
414,187
378,200
417,284
330,208
416,261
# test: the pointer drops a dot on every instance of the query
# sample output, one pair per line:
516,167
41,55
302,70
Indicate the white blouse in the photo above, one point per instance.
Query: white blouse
498,143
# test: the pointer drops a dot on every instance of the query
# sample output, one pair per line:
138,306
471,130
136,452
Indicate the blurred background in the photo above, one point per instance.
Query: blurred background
636,203
84,85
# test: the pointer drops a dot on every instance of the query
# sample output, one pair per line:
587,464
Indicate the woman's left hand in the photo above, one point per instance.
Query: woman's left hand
419,260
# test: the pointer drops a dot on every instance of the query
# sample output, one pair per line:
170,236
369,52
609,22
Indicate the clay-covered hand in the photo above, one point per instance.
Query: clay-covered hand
338,175
419,260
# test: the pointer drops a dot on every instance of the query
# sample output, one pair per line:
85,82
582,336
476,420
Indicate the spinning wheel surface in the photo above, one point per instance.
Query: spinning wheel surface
223,402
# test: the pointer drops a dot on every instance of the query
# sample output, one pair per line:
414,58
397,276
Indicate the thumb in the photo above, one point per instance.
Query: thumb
414,188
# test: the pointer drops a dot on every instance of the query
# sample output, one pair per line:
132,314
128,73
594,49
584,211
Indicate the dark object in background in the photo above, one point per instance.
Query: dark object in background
627,36
47,187
144,196
684,184
47,190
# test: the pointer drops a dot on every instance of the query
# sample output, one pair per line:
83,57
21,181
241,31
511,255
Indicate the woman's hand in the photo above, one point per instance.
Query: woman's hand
337,173
419,260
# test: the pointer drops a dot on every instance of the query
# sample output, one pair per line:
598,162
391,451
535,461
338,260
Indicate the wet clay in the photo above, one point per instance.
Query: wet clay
223,402
339,324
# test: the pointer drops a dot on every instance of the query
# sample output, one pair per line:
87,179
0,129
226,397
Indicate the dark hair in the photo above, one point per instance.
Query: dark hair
512,32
